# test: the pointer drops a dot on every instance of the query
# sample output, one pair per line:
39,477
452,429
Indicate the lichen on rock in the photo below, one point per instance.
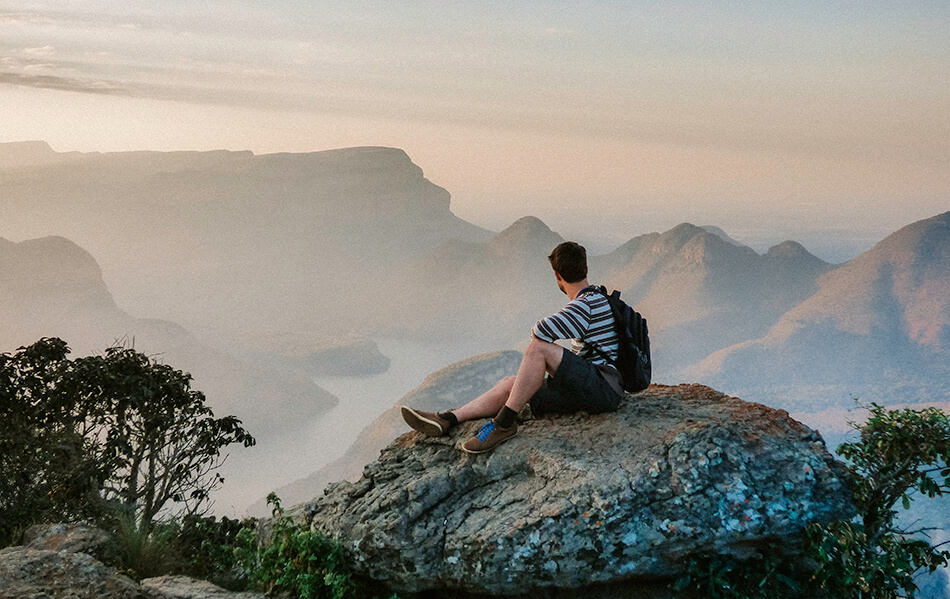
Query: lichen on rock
579,500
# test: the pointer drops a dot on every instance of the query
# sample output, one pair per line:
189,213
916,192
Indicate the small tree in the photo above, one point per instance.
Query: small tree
120,428
45,472
899,453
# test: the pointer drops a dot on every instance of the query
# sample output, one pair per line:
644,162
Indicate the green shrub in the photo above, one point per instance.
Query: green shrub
899,453
208,546
117,434
299,561
47,473
726,577
141,553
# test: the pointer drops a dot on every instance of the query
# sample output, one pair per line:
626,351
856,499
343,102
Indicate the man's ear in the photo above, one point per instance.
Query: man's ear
558,275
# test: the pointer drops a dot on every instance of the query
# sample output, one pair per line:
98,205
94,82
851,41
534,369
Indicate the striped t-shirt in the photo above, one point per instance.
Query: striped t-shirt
586,320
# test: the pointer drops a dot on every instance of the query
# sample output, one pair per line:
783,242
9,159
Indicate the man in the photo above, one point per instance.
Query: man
576,380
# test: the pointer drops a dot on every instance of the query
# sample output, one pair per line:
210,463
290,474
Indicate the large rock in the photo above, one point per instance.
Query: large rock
64,572
74,538
583,501
185,587
48,574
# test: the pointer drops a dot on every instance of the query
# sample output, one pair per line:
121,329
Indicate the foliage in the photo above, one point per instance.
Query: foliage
899,453
207,546
46,474
88,437
297,560
726,577
141,553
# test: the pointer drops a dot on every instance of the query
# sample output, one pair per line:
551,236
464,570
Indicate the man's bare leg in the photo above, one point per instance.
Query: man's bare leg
487,404
539,357
515,391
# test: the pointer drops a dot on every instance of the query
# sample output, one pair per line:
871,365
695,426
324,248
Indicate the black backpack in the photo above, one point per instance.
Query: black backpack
634,362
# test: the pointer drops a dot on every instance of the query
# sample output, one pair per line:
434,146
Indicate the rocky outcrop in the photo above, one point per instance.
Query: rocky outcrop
56,563
584,501
74,538
184,587
342,357
42,573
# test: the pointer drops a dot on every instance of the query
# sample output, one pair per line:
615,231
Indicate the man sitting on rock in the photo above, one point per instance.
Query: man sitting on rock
576,380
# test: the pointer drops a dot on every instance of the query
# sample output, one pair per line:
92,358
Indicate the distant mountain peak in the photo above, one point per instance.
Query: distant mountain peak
32,145
529,223
791,249
685,229
27,153
721,234
48,259
526,231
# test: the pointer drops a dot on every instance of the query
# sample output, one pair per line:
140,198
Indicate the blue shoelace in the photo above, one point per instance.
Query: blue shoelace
486,430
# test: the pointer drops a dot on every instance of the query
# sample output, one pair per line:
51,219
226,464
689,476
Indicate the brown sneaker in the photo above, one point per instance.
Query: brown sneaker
489,437
429,424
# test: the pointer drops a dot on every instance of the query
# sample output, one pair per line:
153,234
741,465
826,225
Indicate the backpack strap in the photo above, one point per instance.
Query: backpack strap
602,290
603,355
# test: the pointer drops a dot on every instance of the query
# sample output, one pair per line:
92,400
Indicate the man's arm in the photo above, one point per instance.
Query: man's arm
570,323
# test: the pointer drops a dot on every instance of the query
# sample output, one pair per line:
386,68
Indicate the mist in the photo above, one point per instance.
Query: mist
308,293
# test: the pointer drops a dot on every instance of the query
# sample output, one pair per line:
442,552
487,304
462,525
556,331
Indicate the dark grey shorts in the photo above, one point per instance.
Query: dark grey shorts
577,385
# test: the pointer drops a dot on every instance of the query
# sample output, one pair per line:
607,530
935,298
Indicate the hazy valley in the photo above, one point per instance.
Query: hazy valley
269,276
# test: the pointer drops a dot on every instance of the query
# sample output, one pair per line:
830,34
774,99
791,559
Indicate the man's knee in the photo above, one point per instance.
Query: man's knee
551,352
508,381
537,346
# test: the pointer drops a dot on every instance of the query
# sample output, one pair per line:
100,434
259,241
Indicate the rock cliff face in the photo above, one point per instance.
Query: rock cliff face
579,500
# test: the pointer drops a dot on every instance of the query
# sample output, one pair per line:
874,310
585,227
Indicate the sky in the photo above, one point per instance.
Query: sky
605,119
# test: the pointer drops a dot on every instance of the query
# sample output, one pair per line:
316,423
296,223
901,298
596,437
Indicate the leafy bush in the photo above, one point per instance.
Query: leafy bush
899,453
208,548
726,577
46,472
103,435
141,553
296,560
299,561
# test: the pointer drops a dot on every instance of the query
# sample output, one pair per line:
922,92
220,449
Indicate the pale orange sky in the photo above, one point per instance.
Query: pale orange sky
808,115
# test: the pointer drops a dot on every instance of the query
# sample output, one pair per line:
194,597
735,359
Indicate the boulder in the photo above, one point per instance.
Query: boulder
579,501
75,538
40,573
184,587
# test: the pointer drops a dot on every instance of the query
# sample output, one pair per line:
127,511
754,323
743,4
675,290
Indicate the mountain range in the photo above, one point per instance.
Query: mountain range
243,250
50,287
230,243
880,321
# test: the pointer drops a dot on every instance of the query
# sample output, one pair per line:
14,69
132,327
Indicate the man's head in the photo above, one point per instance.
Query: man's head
569,261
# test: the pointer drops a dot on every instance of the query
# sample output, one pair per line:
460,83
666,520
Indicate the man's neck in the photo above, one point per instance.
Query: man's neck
572,289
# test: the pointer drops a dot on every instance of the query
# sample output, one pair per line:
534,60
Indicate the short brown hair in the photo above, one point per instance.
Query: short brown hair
569,260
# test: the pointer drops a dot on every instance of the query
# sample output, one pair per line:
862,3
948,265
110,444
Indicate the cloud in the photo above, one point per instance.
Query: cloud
70,84
40,51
